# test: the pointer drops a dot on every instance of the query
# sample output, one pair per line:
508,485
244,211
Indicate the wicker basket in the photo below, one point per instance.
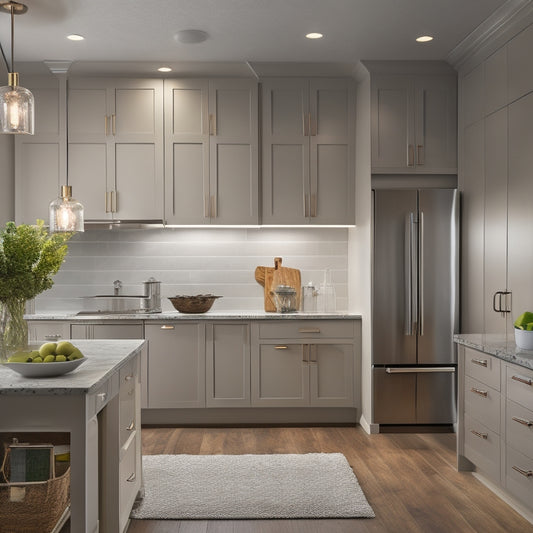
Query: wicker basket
34,507
193,304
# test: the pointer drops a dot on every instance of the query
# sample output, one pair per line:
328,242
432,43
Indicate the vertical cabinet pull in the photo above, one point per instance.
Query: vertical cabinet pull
212,124
419,154
504,307
113,201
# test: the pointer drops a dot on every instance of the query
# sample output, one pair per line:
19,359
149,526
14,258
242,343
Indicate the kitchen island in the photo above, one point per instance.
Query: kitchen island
495,416
99,405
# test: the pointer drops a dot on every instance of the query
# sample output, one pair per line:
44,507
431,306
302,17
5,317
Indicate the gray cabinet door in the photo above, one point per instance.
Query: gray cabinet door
280,375
40,159
331,375
228,365
176,364
116,147
495,234
211,159
520,198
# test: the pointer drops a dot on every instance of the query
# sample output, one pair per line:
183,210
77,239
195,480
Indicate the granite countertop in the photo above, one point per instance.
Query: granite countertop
104,358
501,346
210,315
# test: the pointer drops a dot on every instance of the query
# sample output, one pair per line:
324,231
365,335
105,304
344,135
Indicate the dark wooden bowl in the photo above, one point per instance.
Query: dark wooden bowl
193,304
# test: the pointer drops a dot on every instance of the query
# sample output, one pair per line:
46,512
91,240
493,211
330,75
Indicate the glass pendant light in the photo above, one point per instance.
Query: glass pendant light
16,103
66,214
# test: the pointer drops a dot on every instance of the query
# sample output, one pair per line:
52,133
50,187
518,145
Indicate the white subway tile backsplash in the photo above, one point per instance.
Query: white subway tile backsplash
193,261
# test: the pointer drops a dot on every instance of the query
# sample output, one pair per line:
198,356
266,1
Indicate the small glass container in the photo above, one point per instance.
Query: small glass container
285,299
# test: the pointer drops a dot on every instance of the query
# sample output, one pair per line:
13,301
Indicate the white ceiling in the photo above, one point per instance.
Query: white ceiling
138,35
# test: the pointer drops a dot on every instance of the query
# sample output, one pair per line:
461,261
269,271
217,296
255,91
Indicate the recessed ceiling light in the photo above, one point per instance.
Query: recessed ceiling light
164,69
424,39
74,37
314,35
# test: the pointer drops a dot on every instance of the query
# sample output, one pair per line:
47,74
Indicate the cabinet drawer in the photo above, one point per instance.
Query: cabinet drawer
482,447
520,386
519,475
482,403
314,329
519,428
129,482
482,367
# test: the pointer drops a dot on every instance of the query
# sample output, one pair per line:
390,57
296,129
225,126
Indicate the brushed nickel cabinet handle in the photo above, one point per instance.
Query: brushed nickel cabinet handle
526,473
525,381
480,435
523,421
281,347
167,327
132,477
131,427
308,330
419,157
481,362
483,393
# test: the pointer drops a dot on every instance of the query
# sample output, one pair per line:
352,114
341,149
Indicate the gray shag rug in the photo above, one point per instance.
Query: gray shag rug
312,485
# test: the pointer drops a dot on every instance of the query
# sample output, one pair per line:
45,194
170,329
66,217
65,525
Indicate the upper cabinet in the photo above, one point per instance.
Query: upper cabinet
115,147
308,151
211,151
414,123
40,159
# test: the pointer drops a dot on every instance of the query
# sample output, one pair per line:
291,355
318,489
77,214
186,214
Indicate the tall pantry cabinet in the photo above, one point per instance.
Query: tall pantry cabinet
495,179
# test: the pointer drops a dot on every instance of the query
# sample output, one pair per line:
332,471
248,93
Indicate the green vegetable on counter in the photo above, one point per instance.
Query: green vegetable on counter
524,321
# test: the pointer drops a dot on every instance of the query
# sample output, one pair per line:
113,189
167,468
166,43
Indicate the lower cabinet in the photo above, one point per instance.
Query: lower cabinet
306,368
122,431
107,331
176,364
227,371
47,330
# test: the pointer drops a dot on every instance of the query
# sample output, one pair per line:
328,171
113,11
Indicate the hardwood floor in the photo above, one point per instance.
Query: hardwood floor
409,479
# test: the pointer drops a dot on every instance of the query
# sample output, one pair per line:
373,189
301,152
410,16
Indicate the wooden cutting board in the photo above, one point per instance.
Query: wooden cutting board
271,277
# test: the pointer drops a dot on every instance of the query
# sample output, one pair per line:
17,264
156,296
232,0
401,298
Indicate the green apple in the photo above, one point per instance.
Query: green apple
48,348
49,359
64,348
61,358
76,354
37,359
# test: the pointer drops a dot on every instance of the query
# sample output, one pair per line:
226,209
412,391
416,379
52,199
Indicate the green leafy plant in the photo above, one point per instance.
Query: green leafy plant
29,258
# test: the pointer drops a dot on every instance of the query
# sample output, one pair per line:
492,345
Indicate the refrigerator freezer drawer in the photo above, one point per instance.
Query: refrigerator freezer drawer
414,395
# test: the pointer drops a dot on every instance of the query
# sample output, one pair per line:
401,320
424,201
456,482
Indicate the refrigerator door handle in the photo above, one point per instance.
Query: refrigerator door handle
417,370
414,273
408,317
421,270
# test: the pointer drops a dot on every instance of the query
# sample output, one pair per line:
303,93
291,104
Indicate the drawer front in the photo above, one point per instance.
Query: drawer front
519,476
482,447
314,329
129,482
520,386
519,428
482,367
482,403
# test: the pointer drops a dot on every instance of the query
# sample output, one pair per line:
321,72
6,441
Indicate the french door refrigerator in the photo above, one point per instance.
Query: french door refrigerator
415,305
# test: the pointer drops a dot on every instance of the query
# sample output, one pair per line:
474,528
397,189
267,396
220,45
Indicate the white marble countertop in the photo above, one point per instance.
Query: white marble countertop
104,358
210,315
501,346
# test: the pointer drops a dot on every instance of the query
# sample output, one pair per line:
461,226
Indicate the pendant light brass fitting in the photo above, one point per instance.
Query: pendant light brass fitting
18,8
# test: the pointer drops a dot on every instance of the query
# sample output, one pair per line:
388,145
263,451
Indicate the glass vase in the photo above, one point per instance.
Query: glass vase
13,327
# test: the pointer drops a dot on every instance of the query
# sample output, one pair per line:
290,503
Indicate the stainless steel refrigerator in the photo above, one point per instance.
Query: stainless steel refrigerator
415,305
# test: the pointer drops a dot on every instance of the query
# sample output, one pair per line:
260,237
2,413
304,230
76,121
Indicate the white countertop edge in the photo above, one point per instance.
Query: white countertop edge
104,358
210,315
501,346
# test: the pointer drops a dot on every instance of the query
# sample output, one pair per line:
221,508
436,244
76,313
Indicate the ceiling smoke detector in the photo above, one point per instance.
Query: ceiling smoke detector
191,36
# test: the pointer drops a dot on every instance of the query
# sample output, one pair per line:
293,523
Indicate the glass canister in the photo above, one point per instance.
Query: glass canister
285,299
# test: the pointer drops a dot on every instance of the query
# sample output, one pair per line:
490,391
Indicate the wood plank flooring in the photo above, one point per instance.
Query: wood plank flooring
409,479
